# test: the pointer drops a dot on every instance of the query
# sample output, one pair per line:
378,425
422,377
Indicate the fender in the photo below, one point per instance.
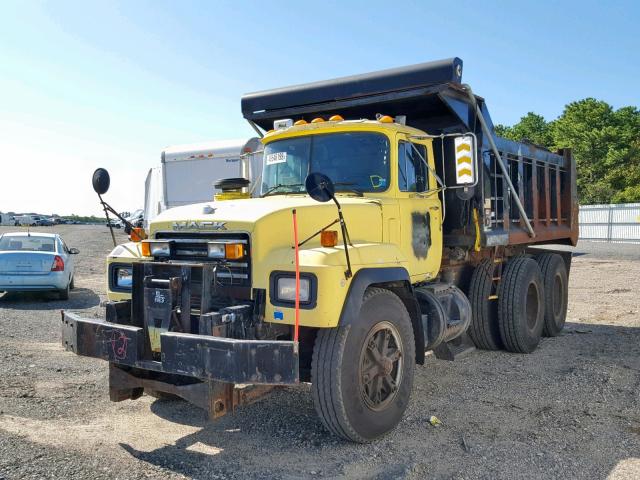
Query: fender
395,279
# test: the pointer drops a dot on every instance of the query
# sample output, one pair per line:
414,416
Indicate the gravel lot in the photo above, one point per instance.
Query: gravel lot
571,409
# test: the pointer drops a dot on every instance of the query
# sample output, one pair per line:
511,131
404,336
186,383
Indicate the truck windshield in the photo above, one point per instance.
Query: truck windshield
353,160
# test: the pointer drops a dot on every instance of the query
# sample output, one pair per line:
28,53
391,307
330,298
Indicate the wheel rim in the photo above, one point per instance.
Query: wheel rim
558,296
533,306
381,363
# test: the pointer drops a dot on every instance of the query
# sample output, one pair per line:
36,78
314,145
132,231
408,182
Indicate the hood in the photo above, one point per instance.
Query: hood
362,216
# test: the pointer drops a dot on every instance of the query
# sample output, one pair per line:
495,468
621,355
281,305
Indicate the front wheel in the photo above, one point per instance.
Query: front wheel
362,373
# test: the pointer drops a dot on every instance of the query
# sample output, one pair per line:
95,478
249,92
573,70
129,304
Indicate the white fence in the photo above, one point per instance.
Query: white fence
617,223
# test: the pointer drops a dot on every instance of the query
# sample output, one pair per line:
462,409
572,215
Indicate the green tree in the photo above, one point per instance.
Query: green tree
605,145
531,128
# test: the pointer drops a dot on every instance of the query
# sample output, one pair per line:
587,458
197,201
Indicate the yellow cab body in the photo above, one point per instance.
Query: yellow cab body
389,227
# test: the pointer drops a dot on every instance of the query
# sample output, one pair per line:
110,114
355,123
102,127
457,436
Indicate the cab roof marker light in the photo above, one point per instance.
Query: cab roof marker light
384,118
317,120
282,124
300,122
336,118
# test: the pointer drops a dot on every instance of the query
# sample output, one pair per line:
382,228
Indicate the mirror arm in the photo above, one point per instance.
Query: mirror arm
106,206
106,209
345,238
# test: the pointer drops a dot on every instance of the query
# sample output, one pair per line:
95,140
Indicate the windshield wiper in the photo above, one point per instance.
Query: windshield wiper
282,185
351,190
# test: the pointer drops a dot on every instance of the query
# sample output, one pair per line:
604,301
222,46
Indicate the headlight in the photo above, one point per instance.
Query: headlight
230,251
120,277
160,249
124,277
286,289
215,250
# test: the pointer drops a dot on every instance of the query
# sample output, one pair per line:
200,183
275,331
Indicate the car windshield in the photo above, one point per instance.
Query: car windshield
31,243
356,161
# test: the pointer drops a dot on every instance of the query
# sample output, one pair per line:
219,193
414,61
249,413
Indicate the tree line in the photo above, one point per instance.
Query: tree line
605,144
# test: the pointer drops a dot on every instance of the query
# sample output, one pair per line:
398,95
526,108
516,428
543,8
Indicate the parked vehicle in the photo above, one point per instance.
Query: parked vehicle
44,222
187,173
392,221
6,219
36,262
28,220
113,223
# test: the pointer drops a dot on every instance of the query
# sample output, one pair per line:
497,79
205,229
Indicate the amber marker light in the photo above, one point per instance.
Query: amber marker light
145,247
300,122
138,234
336,118
233,251
385,119
329,238
317,120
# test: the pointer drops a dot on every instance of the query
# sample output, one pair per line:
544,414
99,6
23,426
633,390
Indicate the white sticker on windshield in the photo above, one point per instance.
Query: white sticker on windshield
278,157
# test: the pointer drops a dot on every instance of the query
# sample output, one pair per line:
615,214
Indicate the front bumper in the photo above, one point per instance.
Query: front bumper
205,357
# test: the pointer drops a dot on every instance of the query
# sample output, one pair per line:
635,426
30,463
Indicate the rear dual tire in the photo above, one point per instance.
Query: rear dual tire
555,278
484,329
521,305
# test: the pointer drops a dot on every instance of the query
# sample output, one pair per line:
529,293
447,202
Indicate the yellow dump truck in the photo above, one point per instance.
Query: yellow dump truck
391,221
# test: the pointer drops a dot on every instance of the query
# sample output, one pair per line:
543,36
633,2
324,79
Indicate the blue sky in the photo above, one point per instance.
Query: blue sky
88,84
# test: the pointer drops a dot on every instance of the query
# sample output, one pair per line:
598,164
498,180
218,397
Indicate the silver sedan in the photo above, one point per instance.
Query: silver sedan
36,262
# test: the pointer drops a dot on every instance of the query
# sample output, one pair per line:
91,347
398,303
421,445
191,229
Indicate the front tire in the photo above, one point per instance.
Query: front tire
362,373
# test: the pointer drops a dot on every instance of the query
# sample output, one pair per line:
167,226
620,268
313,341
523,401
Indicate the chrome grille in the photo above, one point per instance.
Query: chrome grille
192,247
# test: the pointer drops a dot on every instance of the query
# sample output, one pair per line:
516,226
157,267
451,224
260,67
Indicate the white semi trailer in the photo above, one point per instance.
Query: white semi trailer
187,173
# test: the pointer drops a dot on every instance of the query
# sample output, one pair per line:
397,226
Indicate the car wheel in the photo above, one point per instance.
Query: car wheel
64,293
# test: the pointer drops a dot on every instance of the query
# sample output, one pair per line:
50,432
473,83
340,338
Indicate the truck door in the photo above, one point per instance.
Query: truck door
420,209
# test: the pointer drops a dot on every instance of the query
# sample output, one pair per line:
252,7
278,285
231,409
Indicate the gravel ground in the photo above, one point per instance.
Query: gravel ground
571,409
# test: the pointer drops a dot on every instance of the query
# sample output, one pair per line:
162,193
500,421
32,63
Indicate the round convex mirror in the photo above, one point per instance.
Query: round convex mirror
320,187
101,181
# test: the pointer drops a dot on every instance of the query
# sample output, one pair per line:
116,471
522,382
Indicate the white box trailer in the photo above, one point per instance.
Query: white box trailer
28,220
6,219
186,173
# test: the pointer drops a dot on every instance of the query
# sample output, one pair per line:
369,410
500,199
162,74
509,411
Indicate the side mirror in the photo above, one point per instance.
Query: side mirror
319,187
101,181
74,251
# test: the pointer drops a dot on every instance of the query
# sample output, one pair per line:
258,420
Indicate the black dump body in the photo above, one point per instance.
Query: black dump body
433,99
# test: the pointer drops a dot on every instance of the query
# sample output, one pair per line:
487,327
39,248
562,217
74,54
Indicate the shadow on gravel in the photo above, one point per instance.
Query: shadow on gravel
79,298
583,413
179,411
285,420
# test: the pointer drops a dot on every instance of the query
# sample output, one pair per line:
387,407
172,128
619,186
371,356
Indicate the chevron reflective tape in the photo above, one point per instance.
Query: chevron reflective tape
464,160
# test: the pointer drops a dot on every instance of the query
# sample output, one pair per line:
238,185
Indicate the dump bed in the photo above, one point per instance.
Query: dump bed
525,193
